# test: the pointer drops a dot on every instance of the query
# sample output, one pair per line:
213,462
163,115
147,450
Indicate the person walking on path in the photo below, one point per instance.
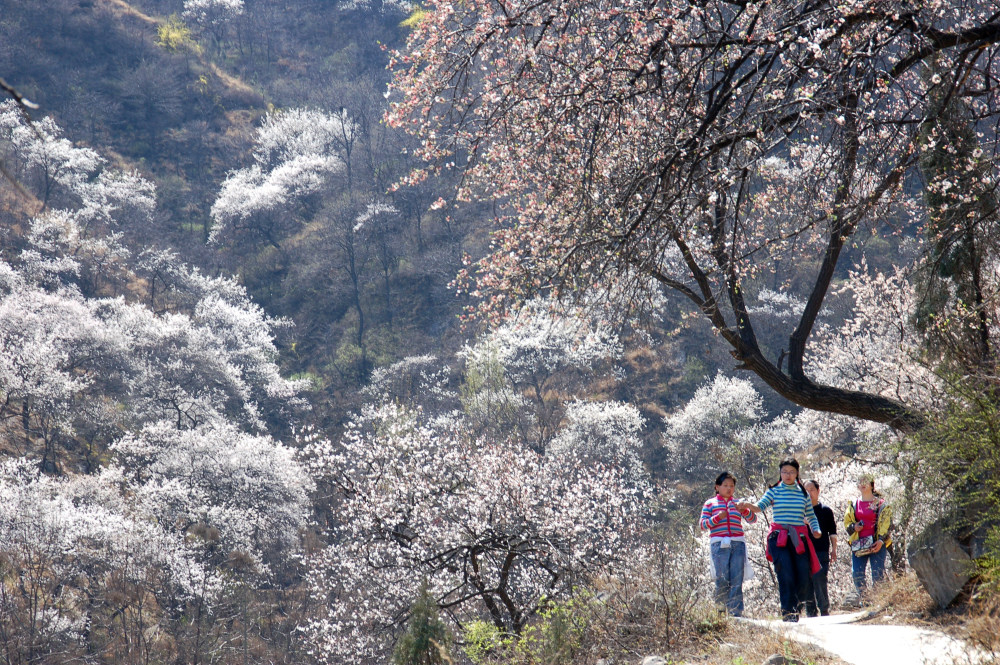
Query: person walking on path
868,522
817,593
723,520
788,544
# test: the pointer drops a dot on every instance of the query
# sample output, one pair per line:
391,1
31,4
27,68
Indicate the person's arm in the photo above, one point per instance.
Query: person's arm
708,520
831,527
882,526
757,508
850,521
810,516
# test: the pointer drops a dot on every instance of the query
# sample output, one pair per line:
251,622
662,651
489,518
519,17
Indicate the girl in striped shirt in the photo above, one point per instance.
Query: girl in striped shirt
723,520
788,543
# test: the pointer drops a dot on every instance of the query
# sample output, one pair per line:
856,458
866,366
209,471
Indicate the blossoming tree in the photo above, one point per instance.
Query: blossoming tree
493,527
700,144
142,400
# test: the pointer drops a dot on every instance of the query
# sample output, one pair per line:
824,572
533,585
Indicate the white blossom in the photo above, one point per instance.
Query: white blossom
295,152
479,520
602,432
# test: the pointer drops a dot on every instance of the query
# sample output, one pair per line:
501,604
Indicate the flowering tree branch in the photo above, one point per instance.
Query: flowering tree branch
696,144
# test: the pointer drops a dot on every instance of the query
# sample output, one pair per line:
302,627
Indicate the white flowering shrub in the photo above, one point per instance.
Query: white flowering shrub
81,361
216,363
385,7
213,17
541,353
83,552
140,402
76,235
878,349
604,433
211,12
46,161
722,428
546,336
295,151
494,527
242,495
415,380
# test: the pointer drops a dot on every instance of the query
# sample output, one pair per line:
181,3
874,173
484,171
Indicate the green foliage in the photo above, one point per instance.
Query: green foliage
988,565
486,375
695,372
483,640
414,19
175,36
554,638
426,639
712,623
383,346
487,396
959,453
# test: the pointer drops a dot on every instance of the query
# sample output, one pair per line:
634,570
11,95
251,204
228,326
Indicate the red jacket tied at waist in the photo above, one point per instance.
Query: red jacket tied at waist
804,542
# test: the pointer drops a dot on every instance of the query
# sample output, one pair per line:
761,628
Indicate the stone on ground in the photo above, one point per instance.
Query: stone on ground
941,564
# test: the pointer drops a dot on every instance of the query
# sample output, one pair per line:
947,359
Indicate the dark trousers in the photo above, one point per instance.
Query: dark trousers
792,570
817,594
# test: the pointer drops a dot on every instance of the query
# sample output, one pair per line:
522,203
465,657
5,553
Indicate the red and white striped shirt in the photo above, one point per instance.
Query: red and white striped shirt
721,518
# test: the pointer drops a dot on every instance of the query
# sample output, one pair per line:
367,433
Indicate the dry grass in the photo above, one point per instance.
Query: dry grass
901,599
731,643
983,630
980,619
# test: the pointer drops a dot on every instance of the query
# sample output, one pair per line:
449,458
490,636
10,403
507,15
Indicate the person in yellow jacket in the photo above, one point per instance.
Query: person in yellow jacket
868,522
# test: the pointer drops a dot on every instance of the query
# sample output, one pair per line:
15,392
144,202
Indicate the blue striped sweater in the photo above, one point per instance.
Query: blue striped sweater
789,506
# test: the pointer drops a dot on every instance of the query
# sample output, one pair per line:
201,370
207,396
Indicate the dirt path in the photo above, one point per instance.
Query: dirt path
873,644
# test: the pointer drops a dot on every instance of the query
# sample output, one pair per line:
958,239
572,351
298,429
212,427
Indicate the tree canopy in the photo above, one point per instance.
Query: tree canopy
705,145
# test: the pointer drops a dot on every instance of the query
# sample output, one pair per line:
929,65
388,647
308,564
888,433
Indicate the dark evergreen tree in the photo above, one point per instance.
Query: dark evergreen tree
426,639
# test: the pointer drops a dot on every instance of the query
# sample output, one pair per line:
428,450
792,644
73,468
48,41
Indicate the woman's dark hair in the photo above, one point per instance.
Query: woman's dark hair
723,477
794,463
813,482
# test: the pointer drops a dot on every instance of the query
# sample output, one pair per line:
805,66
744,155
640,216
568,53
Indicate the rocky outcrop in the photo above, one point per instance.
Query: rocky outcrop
778,659
942,565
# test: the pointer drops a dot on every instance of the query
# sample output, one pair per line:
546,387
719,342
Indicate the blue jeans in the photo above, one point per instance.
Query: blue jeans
792,570
858,564
729,562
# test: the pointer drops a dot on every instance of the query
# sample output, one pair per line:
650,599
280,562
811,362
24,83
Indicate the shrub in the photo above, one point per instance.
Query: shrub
426,639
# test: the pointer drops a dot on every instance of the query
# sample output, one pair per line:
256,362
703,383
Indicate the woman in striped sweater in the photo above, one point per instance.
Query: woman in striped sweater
723,521
788,544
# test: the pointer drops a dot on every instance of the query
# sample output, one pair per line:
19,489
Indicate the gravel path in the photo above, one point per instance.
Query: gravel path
873,644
